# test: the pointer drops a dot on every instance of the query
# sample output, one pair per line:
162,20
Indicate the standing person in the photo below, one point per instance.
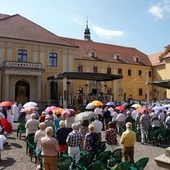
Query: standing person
98,111
49,121
128,140
10,116
91,141
42,117
128,117
106,117
167,120
61,135
15,112
31,126
111,137
19,109
37,139
144,126
120,122
155,123
98,127
74,141
49,146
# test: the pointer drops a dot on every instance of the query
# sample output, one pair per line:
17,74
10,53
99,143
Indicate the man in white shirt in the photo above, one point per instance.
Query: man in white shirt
15,112
97,126
120,121
98,111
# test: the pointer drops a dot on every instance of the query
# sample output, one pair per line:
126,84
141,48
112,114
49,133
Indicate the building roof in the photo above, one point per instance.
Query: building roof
106,52
18,27
86,76
163,83
154,59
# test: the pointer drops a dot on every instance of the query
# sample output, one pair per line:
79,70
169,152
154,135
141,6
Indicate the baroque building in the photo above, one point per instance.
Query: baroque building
31,57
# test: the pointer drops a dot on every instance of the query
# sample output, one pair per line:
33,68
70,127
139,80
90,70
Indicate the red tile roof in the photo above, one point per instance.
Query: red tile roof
18,27
154,58
105,52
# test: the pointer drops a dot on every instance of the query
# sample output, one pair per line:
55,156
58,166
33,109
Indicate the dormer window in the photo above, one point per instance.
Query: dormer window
117,57
92,54
136,58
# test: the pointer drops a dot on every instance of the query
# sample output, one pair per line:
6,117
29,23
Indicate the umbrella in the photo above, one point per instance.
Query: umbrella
122,108
6,125
68,112
6,103
30,104
58,110
166,105
136,105
50,108
110,104
27,109
141,109
158,108
87,115
90,106
97,103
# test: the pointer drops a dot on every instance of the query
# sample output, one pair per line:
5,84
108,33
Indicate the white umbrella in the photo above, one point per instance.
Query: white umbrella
30,104
87,115
90,106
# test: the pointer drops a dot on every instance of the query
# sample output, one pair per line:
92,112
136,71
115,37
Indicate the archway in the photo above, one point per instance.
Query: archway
22,91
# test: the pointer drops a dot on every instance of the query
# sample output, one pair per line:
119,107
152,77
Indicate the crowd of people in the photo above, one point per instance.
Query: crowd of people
56,134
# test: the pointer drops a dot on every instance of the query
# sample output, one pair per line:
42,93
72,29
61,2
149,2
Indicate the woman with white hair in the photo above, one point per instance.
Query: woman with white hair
61,135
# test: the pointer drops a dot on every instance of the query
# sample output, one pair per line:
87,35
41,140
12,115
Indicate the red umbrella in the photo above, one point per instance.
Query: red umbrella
6,103
6,125
122,108
141,109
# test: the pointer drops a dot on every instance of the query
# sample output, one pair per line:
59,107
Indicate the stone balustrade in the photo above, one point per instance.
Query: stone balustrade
14,64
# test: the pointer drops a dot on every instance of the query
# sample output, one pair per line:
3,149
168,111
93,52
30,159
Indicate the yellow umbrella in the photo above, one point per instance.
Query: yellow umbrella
97,103
136,106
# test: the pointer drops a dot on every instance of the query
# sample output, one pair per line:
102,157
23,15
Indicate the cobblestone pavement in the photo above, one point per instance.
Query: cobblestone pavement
14,155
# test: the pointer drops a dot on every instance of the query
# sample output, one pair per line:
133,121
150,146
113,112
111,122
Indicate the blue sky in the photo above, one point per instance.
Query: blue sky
142,24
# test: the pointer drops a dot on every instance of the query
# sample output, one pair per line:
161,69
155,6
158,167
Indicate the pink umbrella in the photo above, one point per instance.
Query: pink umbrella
68,112
50,108
122,108
141,109
27,109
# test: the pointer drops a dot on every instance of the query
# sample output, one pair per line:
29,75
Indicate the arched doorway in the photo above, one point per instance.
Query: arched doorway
22,91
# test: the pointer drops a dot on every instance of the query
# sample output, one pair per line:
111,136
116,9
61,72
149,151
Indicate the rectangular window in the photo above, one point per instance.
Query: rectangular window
109,70
119,71
95,69
140,92
150,74
22,55
80,68
53,59
129,72
140,73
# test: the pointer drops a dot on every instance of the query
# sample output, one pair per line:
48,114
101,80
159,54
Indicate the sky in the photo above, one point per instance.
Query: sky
142,24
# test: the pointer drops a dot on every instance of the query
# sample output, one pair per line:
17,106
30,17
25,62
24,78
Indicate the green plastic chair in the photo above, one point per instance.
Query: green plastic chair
96,166
154,136
21,129
121,166
140,164
117,155
163,135
64,163
103,157
84,161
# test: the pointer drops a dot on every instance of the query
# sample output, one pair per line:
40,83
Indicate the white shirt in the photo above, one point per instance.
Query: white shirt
2,141
114,116
97,126
1,115
161,117
120,117
134,114
37,137
98,111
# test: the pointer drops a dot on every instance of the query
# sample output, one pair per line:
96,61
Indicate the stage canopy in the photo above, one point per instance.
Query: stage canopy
162,83
86,76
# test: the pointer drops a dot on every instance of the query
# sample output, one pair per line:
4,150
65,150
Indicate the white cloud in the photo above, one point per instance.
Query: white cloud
160,10
106,34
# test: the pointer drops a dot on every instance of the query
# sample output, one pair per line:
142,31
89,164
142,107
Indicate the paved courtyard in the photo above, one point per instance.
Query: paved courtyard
14,155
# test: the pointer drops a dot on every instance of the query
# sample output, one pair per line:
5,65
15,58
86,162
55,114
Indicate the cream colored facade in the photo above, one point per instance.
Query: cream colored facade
33,73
